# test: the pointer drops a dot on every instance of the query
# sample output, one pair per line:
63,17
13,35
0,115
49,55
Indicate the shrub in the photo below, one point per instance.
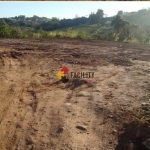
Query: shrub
83,35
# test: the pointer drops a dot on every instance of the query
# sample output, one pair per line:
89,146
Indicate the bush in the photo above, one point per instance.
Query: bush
59,34
36,35
25,36
15,32
5,31
110,37
51,34
83,35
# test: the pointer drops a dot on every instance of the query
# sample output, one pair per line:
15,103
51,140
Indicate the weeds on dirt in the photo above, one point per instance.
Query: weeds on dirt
139,114
133,126
143,115
69,33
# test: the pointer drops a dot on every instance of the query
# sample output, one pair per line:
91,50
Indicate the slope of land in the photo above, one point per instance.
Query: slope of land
38,113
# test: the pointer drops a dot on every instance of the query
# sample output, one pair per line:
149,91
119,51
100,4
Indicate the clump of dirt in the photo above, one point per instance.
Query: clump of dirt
133,133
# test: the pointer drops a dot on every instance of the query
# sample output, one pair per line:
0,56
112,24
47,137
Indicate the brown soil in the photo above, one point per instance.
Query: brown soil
38,113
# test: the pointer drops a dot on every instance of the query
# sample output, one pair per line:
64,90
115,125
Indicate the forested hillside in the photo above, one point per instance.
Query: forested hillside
124,26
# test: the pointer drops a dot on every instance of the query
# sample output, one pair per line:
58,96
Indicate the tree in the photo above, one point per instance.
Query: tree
96,18
92,18
137,32
55,19
99,15
117,23
126,30
76,16
35,18
21,17
142,12
121,29
120,12
4,29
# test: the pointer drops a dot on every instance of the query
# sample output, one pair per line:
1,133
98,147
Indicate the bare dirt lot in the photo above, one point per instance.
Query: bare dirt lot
38,113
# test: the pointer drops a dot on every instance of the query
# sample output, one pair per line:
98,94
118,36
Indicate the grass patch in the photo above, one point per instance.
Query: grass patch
143,114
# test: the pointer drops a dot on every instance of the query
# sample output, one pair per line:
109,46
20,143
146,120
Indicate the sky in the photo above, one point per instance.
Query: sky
67,9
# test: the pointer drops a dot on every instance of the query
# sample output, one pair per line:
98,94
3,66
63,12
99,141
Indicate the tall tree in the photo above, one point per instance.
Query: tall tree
96,18
125,30
92,18
99,15
4,29
120,12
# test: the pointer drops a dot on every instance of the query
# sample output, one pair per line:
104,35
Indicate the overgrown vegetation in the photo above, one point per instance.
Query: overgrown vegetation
124,27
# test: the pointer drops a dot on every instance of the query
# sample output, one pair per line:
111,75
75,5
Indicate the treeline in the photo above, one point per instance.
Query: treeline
141,17
7,31
54,23
123,27
124,31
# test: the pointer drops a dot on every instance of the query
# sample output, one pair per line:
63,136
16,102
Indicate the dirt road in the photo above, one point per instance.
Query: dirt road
38,113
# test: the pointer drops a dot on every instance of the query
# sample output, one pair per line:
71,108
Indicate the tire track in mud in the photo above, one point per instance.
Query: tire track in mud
14,107
17,123
42,112
6,123
79,113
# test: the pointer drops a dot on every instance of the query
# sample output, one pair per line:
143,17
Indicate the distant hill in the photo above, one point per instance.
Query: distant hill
141,17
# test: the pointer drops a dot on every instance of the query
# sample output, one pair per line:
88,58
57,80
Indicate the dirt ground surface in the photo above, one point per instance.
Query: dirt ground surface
38,112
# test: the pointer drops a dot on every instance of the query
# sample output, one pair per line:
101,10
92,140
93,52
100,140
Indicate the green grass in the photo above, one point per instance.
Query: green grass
143,115
85,31
89,28
63,34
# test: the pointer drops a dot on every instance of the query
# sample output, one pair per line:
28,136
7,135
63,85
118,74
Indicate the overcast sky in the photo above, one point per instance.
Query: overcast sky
67,9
